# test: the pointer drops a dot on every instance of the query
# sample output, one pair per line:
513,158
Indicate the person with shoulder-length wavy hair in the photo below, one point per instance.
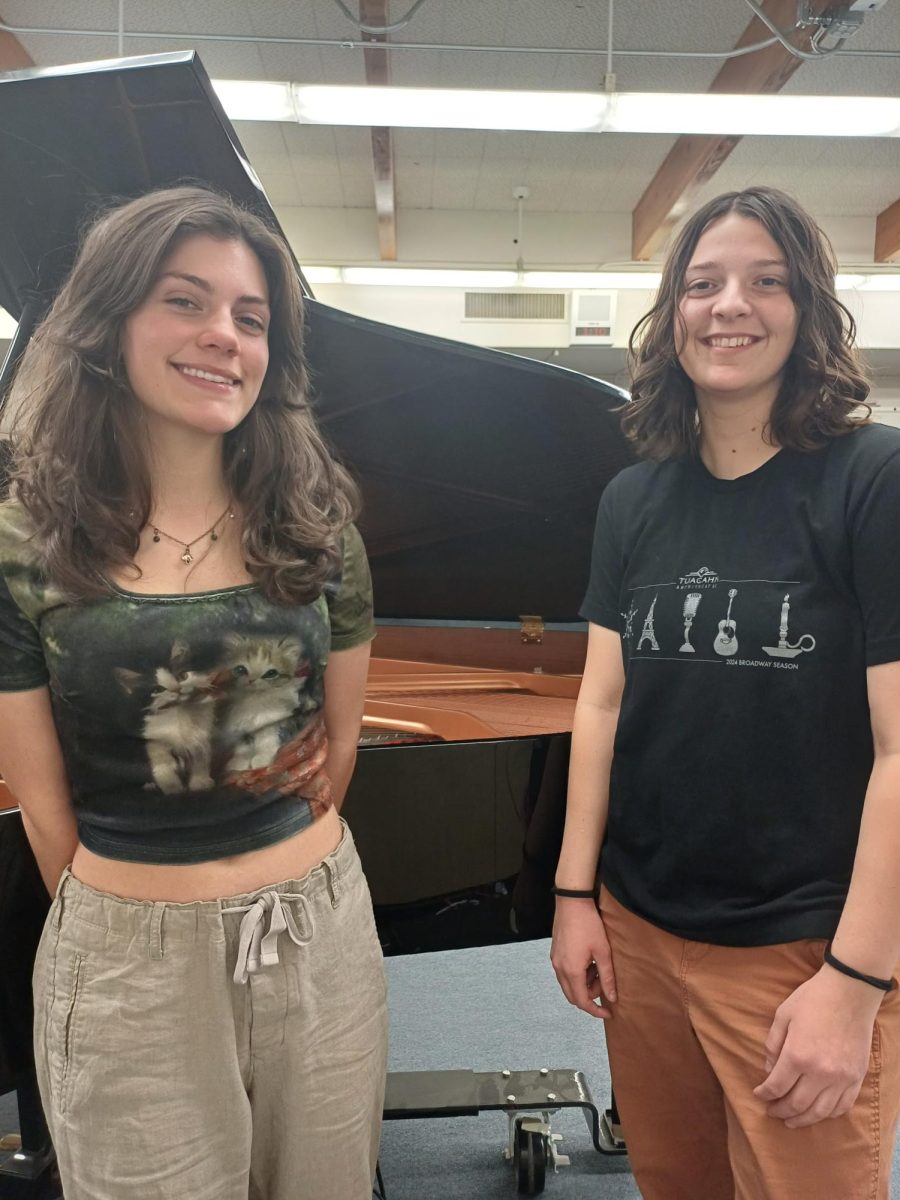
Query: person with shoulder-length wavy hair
823,383
185,624
82,469
736,748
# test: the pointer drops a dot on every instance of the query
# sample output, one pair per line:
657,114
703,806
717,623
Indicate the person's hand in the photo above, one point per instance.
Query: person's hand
817,1051
581,957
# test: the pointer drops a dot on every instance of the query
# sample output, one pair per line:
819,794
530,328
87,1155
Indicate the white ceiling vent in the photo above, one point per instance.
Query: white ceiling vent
593,314
515,306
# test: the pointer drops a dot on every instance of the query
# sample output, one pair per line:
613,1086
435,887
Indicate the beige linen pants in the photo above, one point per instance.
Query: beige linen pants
229,1050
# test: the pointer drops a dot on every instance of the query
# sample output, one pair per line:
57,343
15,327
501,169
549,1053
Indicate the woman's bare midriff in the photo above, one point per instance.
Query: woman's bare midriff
290,859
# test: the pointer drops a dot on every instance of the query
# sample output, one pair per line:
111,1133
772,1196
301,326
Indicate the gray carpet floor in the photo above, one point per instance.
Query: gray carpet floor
486,1010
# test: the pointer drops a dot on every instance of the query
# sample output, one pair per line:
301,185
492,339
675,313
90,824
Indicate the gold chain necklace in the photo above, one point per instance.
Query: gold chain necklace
212,533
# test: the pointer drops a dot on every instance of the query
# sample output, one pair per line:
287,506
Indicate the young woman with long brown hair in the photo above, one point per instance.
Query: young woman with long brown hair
185,620
736,749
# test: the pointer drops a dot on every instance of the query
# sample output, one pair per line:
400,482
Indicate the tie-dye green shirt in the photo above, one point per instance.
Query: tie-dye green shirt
191,725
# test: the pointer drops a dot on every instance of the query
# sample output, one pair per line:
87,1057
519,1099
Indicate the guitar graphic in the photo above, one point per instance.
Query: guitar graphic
725,641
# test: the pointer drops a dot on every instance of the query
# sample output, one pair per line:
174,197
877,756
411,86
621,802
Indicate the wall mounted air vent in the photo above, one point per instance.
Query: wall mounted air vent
515,306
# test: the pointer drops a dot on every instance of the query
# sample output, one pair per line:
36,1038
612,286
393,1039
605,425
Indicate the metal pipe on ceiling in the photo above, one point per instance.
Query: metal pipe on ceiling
391,47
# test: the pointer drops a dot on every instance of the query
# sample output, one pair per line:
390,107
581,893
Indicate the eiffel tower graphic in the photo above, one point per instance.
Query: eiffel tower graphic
647,634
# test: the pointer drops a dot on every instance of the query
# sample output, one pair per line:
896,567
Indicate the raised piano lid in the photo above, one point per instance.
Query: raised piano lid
480,470
73,138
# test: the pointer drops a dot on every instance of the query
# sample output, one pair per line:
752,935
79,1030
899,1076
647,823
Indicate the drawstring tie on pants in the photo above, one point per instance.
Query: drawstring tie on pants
258,949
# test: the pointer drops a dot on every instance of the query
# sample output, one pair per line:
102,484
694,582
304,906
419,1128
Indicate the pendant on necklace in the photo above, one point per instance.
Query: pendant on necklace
187,557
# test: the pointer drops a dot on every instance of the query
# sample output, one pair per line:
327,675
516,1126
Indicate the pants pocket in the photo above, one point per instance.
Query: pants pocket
63,1026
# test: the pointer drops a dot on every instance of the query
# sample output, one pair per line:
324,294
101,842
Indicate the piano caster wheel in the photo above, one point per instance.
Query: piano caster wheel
530,1158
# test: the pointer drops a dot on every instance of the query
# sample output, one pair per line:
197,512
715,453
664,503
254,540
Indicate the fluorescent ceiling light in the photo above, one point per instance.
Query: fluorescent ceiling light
323,274
7,325
413,277
876,282
242,98
647,281
562,112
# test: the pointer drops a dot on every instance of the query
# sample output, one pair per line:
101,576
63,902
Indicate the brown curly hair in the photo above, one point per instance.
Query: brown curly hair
79,468
824,383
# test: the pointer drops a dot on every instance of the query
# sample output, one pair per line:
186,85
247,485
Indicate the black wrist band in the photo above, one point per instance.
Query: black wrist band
573,893
883,985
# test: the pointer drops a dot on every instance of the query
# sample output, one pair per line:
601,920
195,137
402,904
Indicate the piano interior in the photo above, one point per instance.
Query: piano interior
457,802
450,703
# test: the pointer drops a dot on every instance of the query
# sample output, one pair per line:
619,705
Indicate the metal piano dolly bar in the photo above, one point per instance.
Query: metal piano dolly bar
529,1098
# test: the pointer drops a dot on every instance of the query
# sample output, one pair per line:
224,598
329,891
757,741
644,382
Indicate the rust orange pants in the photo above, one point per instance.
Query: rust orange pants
686,1049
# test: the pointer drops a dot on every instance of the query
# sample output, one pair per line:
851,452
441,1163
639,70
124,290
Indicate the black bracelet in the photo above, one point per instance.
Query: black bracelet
573,893
883,985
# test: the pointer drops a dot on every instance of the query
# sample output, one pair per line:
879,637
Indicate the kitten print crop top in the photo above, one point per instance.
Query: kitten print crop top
191,725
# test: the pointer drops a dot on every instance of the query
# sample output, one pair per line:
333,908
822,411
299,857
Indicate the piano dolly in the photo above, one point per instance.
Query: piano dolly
529,1098
29,1175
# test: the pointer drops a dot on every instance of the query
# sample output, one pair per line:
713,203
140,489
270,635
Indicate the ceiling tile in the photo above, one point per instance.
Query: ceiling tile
279,186
413,189
317,189
357,190
414,144
309,139
261,137
471,169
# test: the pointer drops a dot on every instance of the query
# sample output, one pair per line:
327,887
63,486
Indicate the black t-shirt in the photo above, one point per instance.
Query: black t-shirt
749,610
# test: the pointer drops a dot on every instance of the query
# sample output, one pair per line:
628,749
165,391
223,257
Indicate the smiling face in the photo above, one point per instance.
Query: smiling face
196,348
740,323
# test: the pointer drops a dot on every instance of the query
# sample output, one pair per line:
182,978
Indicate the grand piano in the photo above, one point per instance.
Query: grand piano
480,473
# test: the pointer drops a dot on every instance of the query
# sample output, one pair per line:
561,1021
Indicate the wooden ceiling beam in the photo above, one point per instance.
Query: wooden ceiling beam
887,234
13,55
378,74
694,159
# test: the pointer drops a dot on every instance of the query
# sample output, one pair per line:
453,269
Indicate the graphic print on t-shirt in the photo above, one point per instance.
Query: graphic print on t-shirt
267,677
694,618
647,634
691,604
242,721
628,617
725,641
178,721
785,649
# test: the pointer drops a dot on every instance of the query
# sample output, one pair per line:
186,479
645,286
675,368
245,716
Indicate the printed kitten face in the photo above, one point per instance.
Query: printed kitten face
261,709
187,687
173,684
261,663
178,721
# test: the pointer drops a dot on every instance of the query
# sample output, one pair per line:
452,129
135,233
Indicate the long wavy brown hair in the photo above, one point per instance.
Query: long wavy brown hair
80,465
824,383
